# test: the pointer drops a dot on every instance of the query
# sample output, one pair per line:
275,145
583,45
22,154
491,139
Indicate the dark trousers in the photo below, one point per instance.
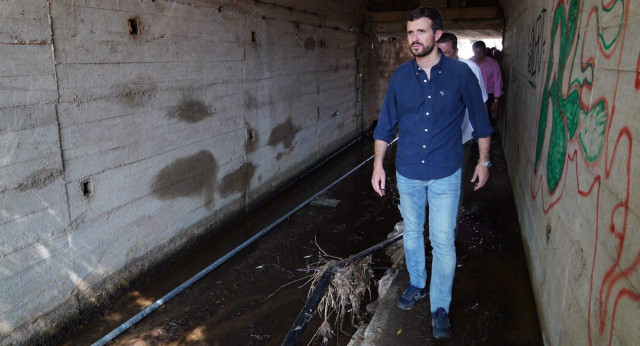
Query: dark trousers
490,101
466,153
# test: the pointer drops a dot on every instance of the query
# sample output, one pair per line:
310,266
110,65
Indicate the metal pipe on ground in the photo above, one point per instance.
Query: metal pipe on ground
144,313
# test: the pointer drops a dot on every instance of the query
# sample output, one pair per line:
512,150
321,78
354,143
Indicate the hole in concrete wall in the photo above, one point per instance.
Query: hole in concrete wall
548,230
220,9
318,110
252,136
87,188
133,26
253,36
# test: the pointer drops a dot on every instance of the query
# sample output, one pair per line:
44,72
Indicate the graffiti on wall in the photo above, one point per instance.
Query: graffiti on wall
576,129
536,47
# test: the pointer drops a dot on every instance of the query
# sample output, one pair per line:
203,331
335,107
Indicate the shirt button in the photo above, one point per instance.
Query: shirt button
427,113
424,146
429,96
425,80
422,161
425,130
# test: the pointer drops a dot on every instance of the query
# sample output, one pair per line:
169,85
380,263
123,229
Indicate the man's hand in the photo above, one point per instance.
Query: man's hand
378,179
481,174
494,110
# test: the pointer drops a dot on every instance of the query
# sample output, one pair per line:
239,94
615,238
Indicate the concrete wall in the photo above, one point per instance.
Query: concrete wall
118,149
382,54
572,87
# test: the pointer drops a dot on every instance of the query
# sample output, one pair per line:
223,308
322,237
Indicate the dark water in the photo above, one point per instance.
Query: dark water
228,306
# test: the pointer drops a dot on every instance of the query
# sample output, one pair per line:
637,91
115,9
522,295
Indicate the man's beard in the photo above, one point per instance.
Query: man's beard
424,52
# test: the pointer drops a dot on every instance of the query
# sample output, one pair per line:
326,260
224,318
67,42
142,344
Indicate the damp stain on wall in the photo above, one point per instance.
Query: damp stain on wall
252,139
309,43
238,180
250,101
284,134
137,92
39,179
190,110
187,177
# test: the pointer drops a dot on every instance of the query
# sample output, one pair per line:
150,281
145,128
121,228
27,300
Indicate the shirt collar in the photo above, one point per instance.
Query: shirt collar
479,61
437,67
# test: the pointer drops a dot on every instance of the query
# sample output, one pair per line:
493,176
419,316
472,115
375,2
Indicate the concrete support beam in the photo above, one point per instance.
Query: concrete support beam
460,18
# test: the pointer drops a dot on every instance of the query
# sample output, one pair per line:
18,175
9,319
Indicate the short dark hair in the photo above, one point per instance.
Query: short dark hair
429,13
449,37
479,44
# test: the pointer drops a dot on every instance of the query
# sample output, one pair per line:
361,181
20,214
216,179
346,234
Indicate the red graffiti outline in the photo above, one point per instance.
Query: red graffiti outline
638,73
611,278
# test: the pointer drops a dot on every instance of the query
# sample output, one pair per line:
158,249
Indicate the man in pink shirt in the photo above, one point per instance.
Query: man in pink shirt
491,75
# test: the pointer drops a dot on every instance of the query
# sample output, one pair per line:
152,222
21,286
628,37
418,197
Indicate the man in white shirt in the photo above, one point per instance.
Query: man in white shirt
448,43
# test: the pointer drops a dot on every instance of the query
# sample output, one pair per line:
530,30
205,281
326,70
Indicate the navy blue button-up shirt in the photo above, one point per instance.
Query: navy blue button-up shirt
429,115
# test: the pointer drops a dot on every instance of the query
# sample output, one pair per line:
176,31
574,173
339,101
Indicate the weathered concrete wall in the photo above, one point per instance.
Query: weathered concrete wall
382,55
572,89
118,148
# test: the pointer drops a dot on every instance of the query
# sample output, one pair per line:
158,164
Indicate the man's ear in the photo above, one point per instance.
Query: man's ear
438,34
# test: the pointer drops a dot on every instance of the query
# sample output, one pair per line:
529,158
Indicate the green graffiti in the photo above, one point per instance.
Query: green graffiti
570,116
557,150
592,133
552,90
571,110
606,44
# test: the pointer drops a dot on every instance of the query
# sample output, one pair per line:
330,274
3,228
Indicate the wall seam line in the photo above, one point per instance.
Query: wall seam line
57,103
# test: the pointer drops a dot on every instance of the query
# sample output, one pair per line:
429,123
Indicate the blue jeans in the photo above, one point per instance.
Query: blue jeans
442,195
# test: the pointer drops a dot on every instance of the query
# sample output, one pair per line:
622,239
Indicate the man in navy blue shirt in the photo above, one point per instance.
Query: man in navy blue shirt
426,101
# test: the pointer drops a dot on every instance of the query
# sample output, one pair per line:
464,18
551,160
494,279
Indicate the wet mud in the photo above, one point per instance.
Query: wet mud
236,304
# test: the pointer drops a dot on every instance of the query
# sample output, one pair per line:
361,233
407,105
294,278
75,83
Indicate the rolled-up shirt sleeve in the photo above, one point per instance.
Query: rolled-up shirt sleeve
388,119
472,98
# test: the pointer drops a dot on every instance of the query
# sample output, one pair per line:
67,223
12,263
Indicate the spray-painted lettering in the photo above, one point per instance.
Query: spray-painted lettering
536,47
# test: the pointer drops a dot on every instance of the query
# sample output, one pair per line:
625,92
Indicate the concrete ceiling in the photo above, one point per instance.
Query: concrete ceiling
466,19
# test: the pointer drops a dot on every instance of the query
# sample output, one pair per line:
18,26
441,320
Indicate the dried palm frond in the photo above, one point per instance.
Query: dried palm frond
345,294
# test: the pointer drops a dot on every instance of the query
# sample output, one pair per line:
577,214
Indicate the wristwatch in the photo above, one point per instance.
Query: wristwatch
485,163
